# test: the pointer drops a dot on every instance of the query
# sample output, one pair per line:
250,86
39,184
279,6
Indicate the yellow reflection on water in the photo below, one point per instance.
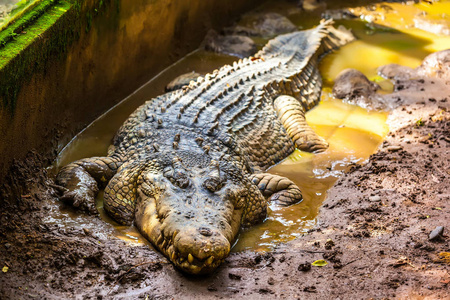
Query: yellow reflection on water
388,35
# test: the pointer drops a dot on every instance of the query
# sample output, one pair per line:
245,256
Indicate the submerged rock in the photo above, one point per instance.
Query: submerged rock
338,14
262,24
351,84
182,81
235,45
395,71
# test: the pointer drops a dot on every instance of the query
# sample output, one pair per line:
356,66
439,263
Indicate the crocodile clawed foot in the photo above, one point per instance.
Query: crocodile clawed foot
316,145
82,200
287,197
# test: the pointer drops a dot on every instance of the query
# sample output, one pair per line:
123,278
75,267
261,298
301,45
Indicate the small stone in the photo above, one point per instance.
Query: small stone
375,198
212,288
394,148
182,81
329,244
236,45
304,267
436,233
234,276
7,245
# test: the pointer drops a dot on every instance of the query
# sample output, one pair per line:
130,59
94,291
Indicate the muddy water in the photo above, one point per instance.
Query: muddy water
352,132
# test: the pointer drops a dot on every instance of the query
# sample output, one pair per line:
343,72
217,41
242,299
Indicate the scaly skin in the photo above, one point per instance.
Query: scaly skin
186,167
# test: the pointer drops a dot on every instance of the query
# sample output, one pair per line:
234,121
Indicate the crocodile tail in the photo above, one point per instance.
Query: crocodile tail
332,38
317,41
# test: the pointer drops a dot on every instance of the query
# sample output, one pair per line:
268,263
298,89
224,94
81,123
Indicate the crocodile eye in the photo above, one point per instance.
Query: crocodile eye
213,184
168,172
182,181
176,177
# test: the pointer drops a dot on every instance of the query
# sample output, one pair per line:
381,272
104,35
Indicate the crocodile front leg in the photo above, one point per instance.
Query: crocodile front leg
81,180
121,193
277,189
255,210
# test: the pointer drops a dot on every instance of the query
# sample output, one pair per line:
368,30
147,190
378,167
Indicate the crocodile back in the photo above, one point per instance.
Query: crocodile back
236,101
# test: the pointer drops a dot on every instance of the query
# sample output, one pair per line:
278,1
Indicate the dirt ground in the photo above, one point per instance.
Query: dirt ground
373,231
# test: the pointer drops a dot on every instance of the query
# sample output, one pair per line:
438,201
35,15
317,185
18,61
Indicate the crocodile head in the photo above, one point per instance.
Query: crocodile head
191,208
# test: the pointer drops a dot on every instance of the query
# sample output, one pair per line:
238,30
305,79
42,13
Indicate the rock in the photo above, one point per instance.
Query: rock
262,24
351,84
436,64
394,148
313,5
212,288
304,267
235,45
234,276
182,81
338,14
395,71
436,233
439,26
7,245
374,198
329,244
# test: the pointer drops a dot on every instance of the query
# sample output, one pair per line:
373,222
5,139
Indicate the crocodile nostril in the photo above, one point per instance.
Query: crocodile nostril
205,231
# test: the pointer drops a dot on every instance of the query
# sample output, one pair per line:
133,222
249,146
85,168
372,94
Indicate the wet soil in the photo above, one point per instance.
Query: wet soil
373,231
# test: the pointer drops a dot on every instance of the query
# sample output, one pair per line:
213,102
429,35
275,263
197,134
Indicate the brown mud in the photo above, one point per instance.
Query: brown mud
372,231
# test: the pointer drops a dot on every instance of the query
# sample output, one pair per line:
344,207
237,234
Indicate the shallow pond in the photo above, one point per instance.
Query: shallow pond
353,133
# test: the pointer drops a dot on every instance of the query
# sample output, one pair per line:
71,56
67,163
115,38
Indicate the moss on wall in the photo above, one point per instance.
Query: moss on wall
41,33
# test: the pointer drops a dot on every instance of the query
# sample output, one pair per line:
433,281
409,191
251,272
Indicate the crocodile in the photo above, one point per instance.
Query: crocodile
188,167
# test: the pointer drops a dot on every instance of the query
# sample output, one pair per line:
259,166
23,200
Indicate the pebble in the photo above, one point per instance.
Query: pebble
374,198
304,267
7,245
394,148
329,244
436,233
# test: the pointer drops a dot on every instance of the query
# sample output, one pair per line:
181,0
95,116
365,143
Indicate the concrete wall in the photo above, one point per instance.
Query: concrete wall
112,48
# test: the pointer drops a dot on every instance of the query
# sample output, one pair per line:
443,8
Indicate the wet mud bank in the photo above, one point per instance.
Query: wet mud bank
372,236
373,232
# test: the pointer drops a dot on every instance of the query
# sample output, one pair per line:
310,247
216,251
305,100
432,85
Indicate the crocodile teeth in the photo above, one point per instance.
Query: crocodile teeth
190,258
160,239
209,261
170,251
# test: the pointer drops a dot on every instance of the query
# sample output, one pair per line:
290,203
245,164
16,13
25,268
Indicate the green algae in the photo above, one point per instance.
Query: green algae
29,50
42,33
